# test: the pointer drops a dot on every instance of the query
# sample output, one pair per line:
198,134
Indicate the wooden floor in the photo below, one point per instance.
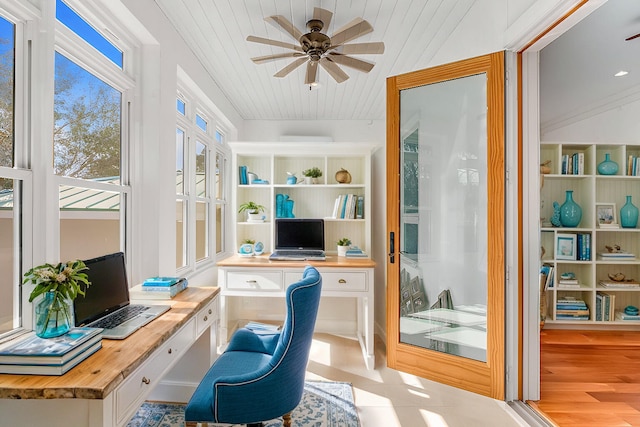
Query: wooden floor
590,378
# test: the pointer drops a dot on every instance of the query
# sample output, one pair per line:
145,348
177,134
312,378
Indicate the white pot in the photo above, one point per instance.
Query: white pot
342,250
255,216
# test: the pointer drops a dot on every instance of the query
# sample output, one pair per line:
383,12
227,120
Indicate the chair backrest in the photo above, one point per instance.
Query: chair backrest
292,352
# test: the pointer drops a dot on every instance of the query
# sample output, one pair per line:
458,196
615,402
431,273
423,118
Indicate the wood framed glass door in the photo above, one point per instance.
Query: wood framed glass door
445,224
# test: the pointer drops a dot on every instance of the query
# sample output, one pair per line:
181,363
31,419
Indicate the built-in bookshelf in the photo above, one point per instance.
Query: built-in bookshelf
273,163
595,252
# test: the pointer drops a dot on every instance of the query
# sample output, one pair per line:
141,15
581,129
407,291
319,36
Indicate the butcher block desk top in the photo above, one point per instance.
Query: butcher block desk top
103,371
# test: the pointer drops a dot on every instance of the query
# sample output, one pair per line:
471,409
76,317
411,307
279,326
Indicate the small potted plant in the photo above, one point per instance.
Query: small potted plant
343,245
312,175
253,211
59,285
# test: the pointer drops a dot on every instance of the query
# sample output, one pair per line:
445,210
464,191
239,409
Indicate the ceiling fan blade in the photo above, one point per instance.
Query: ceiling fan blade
323,15
333,70
312,73
348,61
289,68
274,43
632,37
354,29
268,58
284,24
360,48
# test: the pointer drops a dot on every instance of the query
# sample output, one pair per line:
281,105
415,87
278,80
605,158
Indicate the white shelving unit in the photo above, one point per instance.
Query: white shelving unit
590,189
272,161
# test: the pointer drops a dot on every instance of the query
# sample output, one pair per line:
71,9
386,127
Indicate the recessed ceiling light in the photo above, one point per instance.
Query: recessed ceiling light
621,73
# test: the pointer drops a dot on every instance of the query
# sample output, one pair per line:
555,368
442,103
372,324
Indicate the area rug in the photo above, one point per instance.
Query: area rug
323,404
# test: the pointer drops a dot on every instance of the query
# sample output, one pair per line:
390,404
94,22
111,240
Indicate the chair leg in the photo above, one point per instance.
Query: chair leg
195,424
255,424
286,420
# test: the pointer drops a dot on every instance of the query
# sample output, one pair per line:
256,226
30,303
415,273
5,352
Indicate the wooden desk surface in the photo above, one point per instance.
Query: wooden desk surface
263,261
103,371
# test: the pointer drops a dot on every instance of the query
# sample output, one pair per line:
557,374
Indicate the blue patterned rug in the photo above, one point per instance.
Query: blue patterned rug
324,404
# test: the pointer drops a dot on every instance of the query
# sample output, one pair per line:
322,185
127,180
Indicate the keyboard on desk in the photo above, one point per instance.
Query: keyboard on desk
297,255
119,317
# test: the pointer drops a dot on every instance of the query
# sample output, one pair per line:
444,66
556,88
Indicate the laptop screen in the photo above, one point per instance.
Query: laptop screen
299,233
109,289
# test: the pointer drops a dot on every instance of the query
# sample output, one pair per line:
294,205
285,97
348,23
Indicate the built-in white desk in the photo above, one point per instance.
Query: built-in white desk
341,277
107,388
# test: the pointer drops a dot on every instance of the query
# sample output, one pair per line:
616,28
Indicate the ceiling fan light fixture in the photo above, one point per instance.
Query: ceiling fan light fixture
621,73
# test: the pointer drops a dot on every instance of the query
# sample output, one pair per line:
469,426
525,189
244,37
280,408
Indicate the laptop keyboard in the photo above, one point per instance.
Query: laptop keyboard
119,317
300,254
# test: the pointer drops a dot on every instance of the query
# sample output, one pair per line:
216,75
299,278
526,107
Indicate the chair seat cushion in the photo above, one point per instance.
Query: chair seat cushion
230,365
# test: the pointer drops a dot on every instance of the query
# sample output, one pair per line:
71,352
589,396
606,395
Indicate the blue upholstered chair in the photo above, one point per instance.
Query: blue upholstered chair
260,376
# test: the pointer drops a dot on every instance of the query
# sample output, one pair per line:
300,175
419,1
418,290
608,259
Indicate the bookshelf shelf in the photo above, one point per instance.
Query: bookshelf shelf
272,162
589,266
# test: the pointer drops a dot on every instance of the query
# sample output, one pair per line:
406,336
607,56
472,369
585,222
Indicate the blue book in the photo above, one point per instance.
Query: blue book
161,281
34,350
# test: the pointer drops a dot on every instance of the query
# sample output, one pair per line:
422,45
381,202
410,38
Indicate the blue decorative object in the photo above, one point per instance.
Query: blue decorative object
555,218
629,214
570,211
258,248
54,316
260,375
607,166
631,310
288,209
246,249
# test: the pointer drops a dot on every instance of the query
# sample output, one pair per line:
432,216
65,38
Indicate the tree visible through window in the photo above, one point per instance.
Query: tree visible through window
6,92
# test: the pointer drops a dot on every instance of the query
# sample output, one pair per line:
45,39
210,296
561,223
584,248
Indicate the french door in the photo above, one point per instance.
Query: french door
445,224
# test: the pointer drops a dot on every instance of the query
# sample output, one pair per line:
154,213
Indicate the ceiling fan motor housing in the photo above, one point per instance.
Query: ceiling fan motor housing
315,43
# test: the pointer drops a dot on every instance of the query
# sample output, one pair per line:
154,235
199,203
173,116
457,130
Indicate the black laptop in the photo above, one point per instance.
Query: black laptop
106,303
299,239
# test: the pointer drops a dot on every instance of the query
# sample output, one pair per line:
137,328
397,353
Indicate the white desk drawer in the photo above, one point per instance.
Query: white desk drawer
133,391
206,316
347,281
254,280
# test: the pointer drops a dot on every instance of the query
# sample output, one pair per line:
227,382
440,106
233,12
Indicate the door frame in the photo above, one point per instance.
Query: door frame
486,378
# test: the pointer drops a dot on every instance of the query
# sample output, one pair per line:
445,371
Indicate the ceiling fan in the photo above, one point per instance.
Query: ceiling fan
316,47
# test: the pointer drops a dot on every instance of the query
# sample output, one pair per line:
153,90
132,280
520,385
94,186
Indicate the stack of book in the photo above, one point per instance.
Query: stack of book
571,308
605,306
612,284
573,164
49,356
620,255
159,288
355,252
348,206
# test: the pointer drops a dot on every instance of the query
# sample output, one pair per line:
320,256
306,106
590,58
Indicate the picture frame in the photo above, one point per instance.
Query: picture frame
566,246
606,215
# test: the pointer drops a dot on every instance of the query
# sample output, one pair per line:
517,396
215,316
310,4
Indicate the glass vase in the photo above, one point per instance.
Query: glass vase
607,166
570,211
54,316
629,214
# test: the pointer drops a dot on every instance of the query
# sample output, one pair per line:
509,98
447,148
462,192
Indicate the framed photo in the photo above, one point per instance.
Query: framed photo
606,214
566,246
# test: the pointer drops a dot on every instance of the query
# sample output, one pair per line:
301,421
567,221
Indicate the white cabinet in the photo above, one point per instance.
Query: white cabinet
270,163
590,190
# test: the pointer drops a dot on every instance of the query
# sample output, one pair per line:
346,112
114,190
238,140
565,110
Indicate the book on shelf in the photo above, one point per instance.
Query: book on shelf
618,285
621,315
52,369
610,225
606,306
617,255
572,285
348,206
546,276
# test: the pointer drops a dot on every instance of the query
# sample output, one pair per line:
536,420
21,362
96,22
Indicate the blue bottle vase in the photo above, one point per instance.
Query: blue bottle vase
629,214
570,211
607,166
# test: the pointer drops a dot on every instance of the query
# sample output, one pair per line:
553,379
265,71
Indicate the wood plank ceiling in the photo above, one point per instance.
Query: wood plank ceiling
413,31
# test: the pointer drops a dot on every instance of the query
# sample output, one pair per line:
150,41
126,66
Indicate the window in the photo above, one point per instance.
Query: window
199,167
89,149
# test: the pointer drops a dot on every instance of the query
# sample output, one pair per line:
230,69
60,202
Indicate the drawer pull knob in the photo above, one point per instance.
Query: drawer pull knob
205,318
170,351
146,380
342,281
252,282
210,311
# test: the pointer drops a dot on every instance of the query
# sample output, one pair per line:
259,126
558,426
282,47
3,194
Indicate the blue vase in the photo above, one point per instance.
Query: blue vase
629,214
54,316
607,166
570,211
